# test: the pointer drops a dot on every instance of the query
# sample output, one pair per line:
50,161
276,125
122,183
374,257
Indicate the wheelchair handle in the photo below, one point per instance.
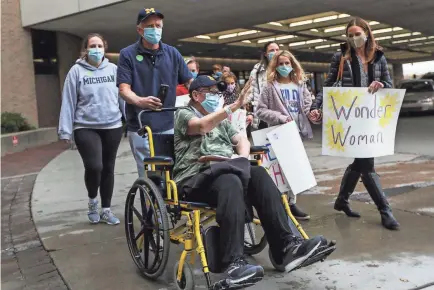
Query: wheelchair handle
142,130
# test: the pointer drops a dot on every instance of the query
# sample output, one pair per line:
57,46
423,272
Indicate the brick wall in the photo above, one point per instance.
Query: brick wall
17,74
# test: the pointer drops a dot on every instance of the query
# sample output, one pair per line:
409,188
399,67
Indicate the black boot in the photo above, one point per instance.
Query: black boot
372,183
298,213
348,184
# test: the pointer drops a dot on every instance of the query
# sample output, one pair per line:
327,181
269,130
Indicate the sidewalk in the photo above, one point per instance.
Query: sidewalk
25,263
368,256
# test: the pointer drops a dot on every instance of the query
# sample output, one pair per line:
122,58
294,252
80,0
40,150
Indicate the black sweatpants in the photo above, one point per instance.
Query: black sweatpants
363,165
98,149
226,193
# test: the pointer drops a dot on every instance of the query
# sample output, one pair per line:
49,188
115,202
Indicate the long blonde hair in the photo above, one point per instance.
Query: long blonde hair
297,74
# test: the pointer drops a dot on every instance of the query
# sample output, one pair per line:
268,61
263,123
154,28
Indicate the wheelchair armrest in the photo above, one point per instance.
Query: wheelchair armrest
212,158
159,160
259,149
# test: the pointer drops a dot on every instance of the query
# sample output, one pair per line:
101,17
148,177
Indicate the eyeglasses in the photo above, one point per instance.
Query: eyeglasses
214,91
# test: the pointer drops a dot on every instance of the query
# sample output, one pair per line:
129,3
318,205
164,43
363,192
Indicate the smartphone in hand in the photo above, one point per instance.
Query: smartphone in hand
162,93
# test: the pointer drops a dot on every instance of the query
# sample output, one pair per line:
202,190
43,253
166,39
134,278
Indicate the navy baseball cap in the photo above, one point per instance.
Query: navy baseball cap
146,12
204,81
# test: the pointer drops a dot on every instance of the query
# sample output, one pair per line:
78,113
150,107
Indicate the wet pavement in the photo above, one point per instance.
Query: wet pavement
368,256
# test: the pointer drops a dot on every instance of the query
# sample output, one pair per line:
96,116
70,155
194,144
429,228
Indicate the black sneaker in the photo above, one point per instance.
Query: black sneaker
299,250
298,213
242,274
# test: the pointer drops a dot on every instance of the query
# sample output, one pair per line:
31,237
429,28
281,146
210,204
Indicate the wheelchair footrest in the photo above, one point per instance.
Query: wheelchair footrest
320,255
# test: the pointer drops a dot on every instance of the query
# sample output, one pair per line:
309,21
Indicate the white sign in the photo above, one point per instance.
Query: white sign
359,124
238,121
289,150
182,101
269,161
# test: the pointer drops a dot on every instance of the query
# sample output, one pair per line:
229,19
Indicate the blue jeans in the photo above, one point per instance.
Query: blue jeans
140,149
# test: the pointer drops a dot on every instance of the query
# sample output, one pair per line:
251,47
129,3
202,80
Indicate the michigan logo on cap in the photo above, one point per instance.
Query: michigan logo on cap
211,78
149,10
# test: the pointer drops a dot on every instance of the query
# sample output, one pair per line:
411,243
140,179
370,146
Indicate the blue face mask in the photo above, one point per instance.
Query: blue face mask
211,102
217,75
194,73
95,54
270,55
284,70
152,35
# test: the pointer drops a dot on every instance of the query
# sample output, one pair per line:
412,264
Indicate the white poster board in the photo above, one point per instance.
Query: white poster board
289,150
269,161
182,101
238,121
359,124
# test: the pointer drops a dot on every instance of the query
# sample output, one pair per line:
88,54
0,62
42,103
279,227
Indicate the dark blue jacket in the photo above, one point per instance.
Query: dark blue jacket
145,70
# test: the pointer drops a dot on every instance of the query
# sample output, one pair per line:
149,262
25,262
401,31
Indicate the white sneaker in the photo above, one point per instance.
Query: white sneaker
109,218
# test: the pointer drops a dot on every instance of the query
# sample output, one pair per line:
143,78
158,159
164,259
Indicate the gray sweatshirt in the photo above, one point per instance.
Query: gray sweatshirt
90,98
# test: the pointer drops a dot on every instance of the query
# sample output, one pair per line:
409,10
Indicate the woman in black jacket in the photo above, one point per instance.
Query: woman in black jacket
364,66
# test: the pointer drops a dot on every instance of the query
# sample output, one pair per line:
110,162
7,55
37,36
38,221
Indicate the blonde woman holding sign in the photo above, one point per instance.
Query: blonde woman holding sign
286,98
360,63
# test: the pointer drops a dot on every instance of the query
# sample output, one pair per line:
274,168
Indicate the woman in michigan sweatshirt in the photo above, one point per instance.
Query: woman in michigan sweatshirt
91,114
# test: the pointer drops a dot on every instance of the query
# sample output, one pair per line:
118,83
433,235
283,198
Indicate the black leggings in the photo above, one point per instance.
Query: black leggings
227,194
98,149
363,165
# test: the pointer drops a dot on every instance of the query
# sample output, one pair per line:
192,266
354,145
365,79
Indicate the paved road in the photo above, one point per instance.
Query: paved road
415,134
368,256
382,260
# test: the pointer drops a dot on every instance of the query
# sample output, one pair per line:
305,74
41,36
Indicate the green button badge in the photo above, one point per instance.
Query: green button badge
139,57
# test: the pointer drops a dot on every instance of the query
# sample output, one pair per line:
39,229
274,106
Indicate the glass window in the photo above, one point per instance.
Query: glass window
44,52
414,87
428,76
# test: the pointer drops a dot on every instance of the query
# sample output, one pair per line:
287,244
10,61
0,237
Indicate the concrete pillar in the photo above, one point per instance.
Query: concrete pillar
398,74
68,51
49,99
17,70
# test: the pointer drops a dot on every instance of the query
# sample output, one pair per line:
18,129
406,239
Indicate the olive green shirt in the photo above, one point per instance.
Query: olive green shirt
188,149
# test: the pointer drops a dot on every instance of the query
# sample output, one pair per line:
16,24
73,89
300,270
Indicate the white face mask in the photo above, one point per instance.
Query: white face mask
357,41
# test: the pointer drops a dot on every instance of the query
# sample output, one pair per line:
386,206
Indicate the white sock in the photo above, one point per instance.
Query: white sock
93,200
105,209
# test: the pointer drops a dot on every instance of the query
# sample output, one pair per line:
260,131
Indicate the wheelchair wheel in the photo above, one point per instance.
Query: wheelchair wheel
147,228
187,279
254,239
276,266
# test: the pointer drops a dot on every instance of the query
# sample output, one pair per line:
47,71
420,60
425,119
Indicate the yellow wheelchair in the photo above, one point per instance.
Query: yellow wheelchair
160,217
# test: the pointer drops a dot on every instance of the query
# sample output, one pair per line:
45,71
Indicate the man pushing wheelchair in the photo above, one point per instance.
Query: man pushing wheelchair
202,132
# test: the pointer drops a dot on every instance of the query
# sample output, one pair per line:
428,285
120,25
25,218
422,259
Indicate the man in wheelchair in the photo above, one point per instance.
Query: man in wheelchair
201,130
